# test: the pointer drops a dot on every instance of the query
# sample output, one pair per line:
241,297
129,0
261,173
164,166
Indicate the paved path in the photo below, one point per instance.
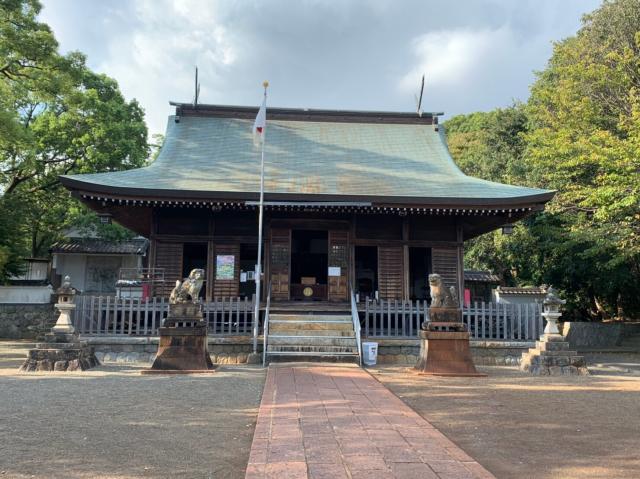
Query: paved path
334,422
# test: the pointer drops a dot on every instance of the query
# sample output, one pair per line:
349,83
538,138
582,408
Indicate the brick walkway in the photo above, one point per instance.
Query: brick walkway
333,422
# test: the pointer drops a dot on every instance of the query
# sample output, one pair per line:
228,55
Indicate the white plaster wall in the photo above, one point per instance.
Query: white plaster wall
75,266
518,299
72,265
25,294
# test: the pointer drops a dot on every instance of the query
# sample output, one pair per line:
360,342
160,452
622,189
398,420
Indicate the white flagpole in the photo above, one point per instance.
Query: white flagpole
256,312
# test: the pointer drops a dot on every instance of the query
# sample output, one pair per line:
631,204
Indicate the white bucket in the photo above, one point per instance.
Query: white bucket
369,353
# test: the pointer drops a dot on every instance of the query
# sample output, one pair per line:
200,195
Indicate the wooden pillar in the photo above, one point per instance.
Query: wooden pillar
460,241
405,258
210,269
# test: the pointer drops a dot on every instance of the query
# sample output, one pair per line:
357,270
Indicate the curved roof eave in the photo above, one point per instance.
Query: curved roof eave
170,194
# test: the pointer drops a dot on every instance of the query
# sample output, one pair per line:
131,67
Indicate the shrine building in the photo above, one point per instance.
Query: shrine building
362,201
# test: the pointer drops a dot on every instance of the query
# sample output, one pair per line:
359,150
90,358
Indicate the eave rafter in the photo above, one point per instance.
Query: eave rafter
327,207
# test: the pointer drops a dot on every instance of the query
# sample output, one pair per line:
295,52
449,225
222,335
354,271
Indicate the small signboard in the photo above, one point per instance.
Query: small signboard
225,266
334,270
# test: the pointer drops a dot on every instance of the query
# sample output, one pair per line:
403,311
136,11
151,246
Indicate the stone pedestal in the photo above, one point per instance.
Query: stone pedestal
183,343
552,357
60,352
445,315
444,348
62,349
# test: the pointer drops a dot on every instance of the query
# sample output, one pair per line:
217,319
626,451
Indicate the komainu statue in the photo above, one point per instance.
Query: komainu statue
441,296
189,288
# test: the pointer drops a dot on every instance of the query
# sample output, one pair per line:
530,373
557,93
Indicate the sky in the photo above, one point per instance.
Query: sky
477,55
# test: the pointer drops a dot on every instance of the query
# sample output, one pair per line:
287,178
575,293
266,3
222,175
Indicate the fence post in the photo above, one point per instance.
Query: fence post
366,317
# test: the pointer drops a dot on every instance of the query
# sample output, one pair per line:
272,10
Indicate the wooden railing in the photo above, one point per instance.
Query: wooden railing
402,319
357,329
265,334
109,315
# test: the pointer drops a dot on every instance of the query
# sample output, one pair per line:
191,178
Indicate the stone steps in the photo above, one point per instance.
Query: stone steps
538,352
308,336
319,341
552,357
283,331
310,317
550,346
306,349
310,325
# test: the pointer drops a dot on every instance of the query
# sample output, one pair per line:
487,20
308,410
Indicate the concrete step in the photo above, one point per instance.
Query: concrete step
291,348
310,317
313,353
310,325
316,341
285,331
552,345
567,352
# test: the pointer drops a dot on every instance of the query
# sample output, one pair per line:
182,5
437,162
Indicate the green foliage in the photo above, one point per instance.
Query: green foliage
56,117
579,134
490,145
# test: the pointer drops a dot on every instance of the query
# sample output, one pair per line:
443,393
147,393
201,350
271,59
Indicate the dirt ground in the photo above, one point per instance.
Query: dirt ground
521,426
111,422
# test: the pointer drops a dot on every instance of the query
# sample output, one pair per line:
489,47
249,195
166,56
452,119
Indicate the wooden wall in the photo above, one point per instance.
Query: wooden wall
168,255
225,287
224,232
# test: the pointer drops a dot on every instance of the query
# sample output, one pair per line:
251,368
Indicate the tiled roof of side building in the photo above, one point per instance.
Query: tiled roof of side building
213,156
137,246
531,290
481,276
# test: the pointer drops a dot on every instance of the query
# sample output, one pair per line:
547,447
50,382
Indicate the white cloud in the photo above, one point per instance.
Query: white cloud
360,54
452,56
155,61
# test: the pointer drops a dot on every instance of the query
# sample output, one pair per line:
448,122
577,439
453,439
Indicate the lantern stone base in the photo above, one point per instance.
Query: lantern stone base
444,351
552,357
60,352
183,343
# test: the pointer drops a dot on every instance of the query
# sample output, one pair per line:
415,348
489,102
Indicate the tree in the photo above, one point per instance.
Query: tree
579,134
56,117
585,142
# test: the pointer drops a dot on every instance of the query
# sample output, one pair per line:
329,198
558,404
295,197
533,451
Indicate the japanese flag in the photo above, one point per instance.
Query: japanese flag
260,124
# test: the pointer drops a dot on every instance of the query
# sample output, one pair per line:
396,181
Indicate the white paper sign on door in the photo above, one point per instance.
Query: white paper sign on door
334,271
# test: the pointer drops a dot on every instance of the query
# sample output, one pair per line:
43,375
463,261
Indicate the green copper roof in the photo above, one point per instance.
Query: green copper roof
215,157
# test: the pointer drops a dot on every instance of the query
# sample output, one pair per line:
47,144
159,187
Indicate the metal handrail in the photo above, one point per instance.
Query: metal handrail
356,324
265,329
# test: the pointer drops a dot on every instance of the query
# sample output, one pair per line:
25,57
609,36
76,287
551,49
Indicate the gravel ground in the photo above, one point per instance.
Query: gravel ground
520,426
110,422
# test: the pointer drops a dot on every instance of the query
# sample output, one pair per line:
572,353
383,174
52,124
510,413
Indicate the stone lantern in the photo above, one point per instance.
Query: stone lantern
62,349
552,304
552,355
65,306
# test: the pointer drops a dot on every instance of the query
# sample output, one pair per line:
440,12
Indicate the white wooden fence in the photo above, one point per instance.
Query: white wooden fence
402,319
109,315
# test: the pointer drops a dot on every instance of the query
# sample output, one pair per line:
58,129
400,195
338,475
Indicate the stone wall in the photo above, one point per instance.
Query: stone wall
25,321
231,350
587,335
237,350
485,353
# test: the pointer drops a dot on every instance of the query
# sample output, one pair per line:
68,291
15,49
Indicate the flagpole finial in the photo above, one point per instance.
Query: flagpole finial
265,83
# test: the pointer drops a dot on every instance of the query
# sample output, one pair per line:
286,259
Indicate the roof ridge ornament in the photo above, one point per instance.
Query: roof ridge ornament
419,99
